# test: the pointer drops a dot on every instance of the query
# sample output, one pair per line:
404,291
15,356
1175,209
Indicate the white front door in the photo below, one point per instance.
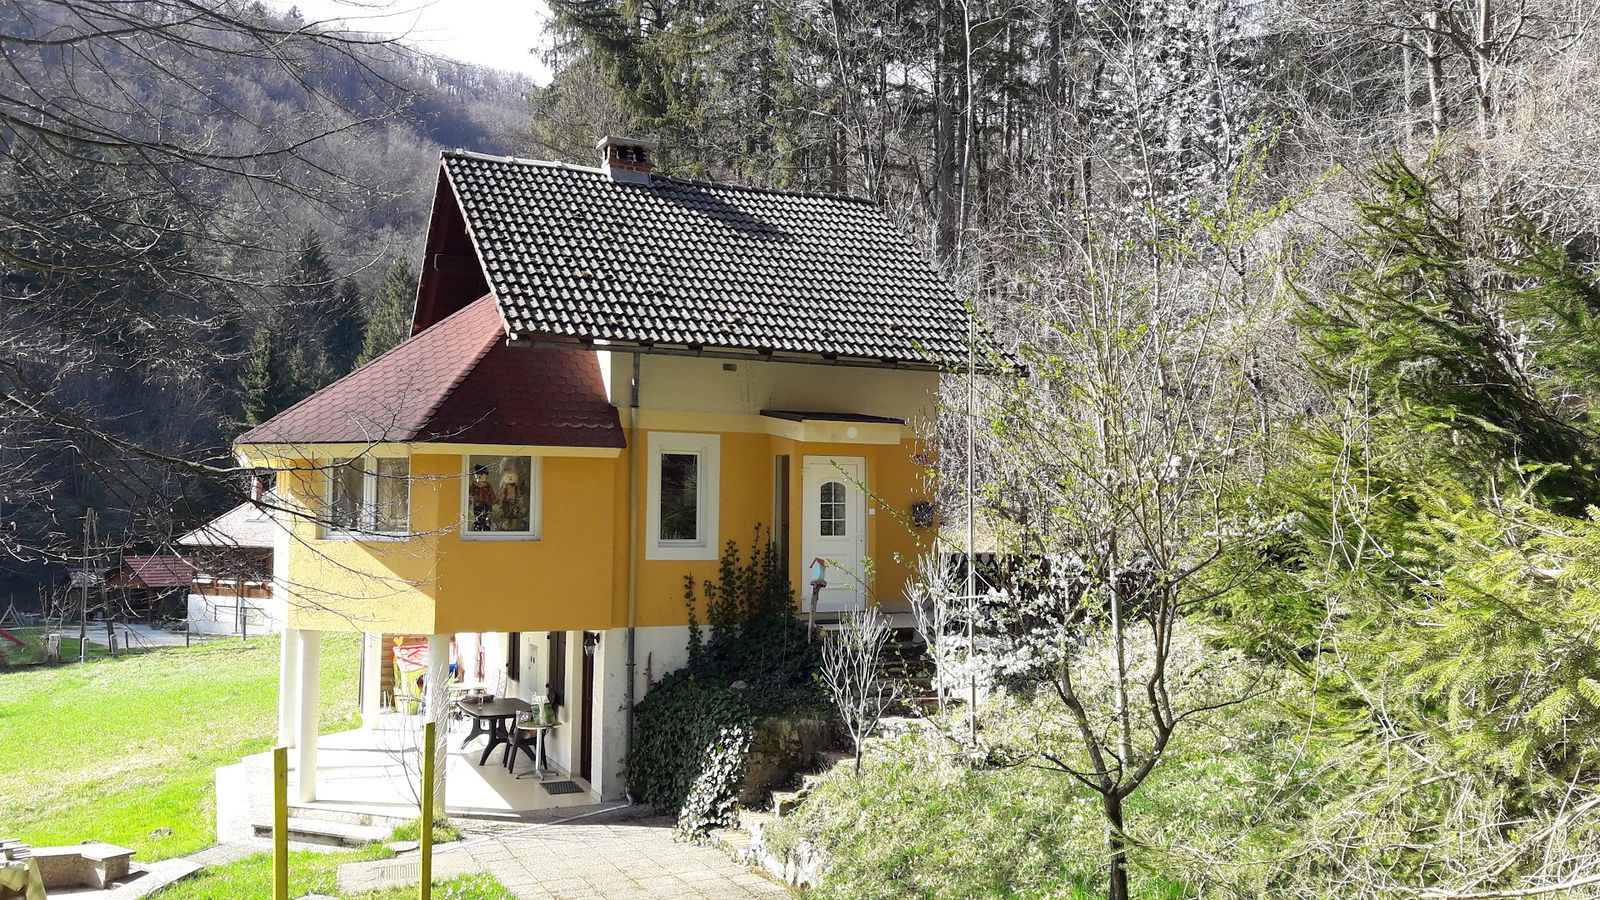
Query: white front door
834,513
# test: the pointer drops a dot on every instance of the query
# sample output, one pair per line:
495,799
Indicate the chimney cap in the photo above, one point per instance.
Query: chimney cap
612,140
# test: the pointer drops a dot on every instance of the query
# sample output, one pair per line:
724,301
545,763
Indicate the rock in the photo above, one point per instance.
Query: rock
739,686
161,833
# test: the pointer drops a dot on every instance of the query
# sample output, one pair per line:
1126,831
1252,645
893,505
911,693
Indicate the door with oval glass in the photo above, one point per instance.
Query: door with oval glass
835,521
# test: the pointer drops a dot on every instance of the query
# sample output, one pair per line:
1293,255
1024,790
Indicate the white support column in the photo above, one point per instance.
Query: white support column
310,652
438,694
288,686
372,680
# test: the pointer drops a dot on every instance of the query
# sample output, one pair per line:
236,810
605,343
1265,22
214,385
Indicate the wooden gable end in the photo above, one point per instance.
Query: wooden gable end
452,275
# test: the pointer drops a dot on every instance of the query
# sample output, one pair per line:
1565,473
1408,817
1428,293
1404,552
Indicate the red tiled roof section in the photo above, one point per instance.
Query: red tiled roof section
457,381
160,571
521,395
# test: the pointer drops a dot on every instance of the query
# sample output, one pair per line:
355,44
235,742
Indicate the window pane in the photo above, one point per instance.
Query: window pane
680,496
392,495
831,510
344,499
498,494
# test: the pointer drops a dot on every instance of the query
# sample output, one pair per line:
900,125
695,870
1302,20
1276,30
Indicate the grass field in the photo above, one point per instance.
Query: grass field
115,749
32,651
309,872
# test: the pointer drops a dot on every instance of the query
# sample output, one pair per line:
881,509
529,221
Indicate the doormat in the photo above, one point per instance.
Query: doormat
561,787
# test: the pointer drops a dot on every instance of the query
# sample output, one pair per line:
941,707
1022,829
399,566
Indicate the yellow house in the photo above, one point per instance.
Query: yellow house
612,374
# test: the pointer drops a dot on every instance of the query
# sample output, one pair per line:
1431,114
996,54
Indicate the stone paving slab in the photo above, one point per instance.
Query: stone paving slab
610,853
626,854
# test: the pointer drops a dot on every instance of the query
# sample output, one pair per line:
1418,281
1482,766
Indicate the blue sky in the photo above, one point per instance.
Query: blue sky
496,33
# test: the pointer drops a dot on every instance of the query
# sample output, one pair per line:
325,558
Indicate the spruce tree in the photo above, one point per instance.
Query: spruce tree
308,305
389,321
267,385
342,339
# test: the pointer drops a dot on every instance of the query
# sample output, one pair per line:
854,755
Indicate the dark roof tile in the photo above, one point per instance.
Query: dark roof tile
569,252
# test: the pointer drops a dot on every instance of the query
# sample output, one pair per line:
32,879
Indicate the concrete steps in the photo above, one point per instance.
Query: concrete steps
354,814
322,831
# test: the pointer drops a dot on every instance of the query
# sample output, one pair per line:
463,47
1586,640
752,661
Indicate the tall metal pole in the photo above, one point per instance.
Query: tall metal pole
972,530
83,606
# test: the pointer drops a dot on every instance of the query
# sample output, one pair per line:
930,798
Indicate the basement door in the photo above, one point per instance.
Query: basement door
834,516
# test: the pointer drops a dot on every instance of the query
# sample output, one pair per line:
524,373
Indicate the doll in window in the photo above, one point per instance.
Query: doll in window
511,511
480,498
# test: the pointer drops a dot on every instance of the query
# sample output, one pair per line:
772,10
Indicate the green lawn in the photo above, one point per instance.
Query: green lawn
251,879
115,749
33,651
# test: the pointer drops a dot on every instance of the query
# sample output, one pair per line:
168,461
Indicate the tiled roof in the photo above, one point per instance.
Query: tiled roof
159,571
570,252
458,381
246,526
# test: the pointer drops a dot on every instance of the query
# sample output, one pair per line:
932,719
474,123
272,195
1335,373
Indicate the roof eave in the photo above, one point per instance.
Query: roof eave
546,342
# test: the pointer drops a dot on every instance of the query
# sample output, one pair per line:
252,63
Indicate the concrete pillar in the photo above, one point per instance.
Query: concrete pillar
371,680
288,686
438,694
310,652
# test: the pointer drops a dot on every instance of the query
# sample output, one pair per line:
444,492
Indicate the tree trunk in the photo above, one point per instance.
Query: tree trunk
1116,842
1433,50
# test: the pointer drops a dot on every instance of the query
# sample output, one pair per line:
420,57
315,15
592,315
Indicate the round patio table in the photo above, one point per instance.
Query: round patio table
529,733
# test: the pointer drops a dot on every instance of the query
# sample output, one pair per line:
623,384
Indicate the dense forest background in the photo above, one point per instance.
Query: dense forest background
273,249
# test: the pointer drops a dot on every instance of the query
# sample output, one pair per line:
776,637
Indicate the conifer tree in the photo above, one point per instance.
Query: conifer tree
342,340
389,320
268,384
308,305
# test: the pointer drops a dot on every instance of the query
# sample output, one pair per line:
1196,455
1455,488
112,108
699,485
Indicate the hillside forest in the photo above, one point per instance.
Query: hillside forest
205,215
1281,407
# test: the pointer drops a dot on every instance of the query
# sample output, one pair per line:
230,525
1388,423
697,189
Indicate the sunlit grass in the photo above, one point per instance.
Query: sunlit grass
119,749
310,872
32,650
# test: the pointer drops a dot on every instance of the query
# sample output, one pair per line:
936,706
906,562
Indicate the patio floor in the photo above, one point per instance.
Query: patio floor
378,770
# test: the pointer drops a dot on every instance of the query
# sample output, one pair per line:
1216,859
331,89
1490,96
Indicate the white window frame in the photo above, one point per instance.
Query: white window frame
535,500
369,501
708,494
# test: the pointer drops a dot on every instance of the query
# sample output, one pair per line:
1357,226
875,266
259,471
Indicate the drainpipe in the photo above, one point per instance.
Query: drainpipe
634,451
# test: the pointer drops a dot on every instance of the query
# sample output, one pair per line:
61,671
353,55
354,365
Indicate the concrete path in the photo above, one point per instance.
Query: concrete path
612,853
130,635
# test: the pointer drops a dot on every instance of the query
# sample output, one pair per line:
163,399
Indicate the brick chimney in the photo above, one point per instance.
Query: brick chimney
626,159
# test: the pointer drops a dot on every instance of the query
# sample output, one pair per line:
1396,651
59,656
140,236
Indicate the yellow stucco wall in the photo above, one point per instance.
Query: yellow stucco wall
343,585
576,575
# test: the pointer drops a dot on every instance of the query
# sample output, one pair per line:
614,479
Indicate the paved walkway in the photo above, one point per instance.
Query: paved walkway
624,853
130,635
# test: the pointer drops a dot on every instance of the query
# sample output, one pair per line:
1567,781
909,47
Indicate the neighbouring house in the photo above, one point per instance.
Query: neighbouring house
145,587
231,591
611,375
